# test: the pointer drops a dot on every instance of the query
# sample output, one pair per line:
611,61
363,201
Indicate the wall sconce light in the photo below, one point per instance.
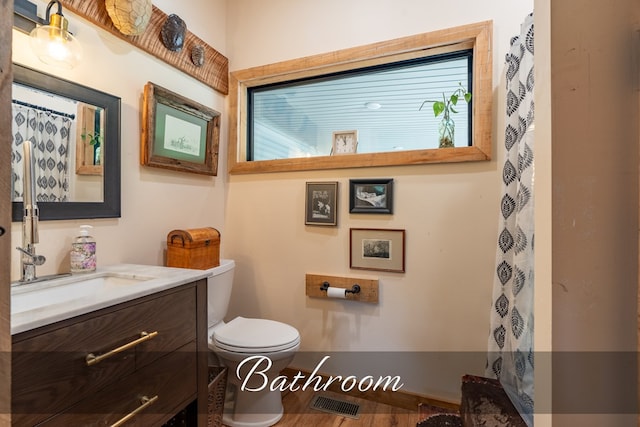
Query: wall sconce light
49,38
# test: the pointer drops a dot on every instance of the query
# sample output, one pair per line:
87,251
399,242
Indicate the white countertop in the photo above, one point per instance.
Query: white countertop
66,297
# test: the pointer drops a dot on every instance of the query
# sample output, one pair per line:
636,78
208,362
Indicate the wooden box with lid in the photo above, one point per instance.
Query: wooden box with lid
197,248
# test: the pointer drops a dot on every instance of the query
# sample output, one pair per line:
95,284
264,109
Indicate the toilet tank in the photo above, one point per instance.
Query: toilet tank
219,284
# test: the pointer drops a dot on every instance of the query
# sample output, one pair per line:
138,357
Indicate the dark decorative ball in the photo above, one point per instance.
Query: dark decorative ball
173,32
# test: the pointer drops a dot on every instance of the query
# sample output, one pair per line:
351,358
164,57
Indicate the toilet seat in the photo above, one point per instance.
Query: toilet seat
246,335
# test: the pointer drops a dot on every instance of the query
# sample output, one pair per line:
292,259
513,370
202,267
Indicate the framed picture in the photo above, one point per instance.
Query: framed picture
345,142
377,249
321,203
371,196
178,133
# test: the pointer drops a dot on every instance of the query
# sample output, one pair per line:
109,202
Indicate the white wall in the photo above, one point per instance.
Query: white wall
154,201
450,212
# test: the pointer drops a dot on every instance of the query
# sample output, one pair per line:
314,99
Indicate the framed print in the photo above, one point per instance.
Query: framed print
321,203
371,196
178,133
345,142
377,249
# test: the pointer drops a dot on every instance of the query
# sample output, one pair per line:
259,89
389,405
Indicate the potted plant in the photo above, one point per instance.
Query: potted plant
94,140
446,129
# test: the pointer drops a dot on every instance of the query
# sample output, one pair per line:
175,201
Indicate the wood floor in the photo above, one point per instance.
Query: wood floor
297,413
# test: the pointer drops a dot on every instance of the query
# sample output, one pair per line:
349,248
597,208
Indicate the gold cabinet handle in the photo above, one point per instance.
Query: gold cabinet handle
92,359
145,402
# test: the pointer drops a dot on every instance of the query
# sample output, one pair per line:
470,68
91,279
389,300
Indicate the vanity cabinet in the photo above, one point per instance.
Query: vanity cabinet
141,361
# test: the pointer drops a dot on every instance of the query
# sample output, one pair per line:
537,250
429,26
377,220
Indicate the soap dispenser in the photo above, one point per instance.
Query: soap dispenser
83,251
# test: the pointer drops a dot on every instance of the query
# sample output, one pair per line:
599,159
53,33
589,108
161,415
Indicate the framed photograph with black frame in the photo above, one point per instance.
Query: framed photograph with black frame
321,203
377,249
371,196
178,133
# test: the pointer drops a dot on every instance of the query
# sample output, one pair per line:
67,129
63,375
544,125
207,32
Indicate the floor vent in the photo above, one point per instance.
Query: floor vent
335,406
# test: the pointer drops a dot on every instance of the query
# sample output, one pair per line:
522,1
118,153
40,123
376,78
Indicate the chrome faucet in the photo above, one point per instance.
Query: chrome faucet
28,258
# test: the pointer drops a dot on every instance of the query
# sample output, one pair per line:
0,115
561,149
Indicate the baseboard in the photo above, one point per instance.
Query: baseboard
400,399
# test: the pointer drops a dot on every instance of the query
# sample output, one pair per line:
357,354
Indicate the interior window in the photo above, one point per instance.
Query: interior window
374,102
390,106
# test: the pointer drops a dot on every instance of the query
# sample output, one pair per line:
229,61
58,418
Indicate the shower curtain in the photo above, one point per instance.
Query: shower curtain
510,355
50,135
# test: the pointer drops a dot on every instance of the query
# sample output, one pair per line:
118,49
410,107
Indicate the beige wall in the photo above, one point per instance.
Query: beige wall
442,207
450,212
543,216
594,102
154,201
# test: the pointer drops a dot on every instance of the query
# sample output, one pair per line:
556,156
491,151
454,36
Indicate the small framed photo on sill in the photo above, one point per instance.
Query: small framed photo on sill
321,203
371,196
377,249
345,142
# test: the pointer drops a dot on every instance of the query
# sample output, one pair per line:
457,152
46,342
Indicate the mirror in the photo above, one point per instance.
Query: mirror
90,134
89,160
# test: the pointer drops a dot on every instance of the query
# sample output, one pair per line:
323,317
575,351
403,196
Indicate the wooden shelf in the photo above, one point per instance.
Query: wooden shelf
215,70
368,287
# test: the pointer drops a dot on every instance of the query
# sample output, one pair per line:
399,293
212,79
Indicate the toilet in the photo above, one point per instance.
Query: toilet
256,345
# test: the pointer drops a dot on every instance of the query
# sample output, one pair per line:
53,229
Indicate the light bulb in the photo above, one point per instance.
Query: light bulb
54,45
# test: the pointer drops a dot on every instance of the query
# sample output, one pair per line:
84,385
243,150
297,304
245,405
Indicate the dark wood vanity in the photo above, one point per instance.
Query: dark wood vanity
136,363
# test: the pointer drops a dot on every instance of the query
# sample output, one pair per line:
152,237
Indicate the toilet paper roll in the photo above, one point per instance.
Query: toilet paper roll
336,292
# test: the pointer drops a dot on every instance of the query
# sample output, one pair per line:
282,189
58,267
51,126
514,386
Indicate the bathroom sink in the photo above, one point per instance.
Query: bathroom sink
27,297
54,299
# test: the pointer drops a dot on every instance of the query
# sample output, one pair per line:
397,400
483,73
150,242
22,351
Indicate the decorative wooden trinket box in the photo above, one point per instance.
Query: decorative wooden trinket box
197,248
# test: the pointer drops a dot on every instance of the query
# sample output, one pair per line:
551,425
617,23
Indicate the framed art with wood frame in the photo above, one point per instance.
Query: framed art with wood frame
321,206
178,133
377,249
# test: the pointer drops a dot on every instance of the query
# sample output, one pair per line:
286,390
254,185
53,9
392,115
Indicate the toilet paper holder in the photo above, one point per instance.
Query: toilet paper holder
355,289
362,289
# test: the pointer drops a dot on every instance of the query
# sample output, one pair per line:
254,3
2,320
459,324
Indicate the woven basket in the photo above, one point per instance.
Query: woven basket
217,389
441,420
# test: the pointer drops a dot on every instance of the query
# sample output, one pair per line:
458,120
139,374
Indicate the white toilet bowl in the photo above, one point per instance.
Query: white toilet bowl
258,347
255,351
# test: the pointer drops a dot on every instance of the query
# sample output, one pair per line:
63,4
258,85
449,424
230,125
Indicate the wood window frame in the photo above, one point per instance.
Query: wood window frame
477,36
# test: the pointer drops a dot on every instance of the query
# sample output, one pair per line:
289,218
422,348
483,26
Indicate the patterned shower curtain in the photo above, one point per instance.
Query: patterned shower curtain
50,134
510,357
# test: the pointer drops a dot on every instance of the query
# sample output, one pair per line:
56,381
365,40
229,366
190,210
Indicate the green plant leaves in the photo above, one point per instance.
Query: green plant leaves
438,108
446,105
94,138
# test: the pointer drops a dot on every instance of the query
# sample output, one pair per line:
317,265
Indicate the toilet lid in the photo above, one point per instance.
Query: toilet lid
255,336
